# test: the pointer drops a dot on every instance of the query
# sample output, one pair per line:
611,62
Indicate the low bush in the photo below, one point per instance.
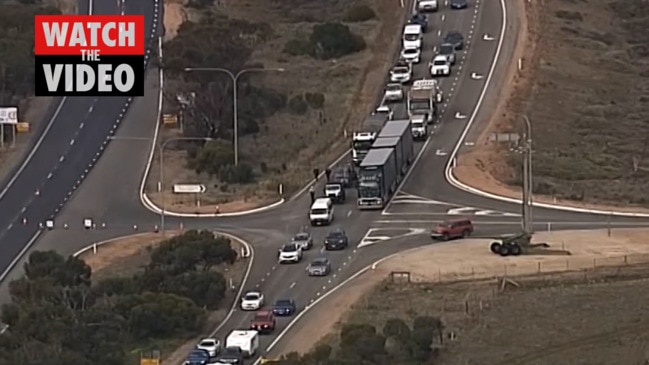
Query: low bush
360,13
297,105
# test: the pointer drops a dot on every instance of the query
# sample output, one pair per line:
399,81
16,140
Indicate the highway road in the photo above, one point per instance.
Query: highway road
424,199
66,150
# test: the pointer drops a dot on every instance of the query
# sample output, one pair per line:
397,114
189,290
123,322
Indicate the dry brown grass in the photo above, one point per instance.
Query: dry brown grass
587,118
291,146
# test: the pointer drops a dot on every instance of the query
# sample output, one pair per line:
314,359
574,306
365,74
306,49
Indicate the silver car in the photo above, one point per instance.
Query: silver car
319,267
304,240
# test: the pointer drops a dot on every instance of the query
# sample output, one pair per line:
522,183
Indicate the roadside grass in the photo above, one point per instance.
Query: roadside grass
588,104
289,146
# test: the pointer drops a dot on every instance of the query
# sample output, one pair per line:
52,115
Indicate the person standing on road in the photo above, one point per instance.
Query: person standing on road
312,193
328,174
316,173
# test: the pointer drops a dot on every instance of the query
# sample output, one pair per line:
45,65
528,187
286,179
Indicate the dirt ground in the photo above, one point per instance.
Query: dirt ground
350,86
590,142
126,256
465,275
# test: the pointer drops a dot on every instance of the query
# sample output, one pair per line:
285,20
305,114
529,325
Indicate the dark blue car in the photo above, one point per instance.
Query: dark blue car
284,307
197,357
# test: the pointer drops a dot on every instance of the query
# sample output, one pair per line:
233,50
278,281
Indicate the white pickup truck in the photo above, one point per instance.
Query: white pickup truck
427,5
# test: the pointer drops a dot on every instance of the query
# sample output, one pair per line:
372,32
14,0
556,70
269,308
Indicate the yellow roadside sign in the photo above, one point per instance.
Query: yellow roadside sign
22,127
169,119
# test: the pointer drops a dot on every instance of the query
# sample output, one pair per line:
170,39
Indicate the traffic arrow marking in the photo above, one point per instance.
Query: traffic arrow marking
459,115
487,37
477,76
441,153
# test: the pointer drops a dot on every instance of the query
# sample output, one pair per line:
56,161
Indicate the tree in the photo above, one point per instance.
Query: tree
334,40
213,157
65,272
191,251
361,343
159,315
205,288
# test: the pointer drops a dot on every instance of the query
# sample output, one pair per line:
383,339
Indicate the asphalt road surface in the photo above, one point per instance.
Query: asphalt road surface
70,144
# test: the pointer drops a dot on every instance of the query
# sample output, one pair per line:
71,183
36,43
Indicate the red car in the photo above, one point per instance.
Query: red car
264,322
455,228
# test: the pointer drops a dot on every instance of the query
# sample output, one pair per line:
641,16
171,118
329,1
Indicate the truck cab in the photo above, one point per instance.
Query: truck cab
419,127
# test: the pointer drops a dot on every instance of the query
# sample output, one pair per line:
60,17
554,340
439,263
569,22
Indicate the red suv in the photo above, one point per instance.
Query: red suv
455,228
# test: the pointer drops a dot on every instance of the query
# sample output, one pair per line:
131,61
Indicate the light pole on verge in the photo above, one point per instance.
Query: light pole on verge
528,186
161,148
235,79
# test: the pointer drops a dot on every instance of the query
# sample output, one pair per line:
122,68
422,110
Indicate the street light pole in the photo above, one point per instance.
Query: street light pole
528,186
161,147
235,96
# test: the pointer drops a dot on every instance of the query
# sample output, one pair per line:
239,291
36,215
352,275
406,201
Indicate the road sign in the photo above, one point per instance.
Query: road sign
189,189
87,223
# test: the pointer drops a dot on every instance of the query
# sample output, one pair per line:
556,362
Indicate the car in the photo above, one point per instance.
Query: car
454,38
447,50
455,228
393,92
284,307
303,240
459,4
440,66
335,192
290,254
420,19
336,240
401,74
427,5
382,109
319,267
411,55
197,357
211,345
252,301
263,322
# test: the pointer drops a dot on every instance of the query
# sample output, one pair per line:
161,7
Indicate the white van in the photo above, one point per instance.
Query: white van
412,36
322,212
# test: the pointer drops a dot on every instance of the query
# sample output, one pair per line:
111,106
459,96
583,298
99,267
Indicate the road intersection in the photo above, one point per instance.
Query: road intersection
425,197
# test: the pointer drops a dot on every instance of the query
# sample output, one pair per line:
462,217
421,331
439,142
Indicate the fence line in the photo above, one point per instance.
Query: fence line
515,268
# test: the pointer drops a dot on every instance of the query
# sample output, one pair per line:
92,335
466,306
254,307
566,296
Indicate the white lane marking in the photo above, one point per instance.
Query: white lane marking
72,142
293,285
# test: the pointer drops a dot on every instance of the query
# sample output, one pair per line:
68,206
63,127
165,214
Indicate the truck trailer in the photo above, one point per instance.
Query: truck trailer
377,178
362,140
403,145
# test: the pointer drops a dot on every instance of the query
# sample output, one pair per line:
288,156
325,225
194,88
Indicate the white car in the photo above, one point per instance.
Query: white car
252,301
211,345
393,92
384,109
427,5
440,66
290,254
411,55
401,74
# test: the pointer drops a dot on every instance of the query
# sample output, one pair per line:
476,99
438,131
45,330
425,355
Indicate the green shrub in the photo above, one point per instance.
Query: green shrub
297,105
333,40
360,13
298,47
569,15
239,174
315,100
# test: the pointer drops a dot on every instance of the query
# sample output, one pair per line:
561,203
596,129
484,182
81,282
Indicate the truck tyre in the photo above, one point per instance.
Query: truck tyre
504,250
466,233
446,237
495,247
515,249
